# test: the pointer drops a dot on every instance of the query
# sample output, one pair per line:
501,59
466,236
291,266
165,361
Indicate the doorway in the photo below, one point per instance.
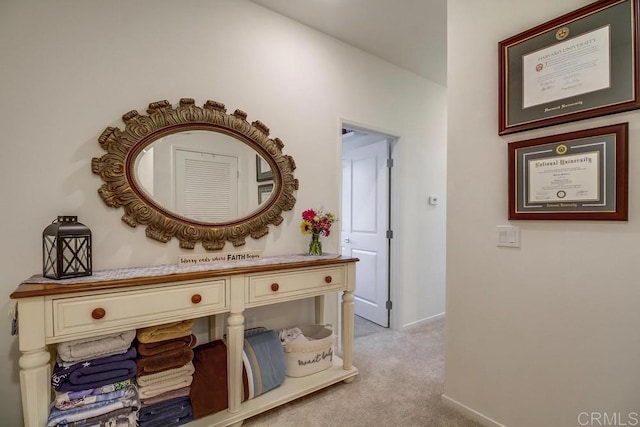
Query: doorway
366,218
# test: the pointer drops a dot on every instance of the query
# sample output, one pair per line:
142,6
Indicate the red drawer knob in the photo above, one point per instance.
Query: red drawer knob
275,287
328,279
196,298
98,313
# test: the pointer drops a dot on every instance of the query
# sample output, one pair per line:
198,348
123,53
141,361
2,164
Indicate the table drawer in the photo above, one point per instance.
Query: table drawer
131,309
295,284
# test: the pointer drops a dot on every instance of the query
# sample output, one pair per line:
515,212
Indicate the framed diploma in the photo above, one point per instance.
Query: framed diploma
263,171
580,65
264,192
573,176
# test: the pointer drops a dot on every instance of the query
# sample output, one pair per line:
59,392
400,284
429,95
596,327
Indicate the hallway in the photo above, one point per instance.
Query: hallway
400,384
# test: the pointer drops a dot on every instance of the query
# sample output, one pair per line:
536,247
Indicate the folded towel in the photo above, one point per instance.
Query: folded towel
208,392
175,414
264,361
153,390
91,348
164,332
94,373
162,362
173,422
72,399
128,400
209,389
181,392
154,348
169,408
166,376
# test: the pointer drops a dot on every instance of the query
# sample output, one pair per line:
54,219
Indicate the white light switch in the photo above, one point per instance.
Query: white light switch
509,236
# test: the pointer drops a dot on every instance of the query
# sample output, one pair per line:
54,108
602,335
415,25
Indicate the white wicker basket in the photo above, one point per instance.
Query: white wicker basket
315,355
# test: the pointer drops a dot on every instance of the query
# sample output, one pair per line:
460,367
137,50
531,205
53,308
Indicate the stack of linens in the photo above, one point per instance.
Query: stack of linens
92,380
164,373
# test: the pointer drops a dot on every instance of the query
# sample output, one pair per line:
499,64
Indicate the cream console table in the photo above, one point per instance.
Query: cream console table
50,312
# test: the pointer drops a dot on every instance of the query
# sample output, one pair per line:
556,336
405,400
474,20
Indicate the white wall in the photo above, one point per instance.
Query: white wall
70,68
539,334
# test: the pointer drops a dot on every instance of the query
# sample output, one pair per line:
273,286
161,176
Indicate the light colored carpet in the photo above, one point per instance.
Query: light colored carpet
399,384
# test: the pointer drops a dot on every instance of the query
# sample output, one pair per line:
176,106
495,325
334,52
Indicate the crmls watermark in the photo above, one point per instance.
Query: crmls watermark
614,419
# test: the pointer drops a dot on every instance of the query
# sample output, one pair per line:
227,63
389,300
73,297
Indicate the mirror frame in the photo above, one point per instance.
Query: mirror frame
120,188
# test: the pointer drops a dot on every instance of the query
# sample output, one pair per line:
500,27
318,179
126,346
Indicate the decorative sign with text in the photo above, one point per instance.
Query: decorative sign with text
218,258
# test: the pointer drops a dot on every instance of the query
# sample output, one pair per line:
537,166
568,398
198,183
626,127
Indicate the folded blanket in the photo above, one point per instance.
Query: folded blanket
154,348
162,362
123,417
168,409
72,399
128,400
181,392
166,376
91,348
264,361
165,332
175,415
209,388
88,400
157,389
94,373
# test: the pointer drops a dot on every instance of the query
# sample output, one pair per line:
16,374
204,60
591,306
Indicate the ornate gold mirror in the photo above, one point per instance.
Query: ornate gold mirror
196,173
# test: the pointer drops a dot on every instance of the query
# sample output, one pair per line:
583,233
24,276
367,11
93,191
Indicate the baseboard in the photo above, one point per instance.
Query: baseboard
422,322
470,413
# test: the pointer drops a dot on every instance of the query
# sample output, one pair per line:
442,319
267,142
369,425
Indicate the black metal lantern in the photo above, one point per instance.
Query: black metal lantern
66,249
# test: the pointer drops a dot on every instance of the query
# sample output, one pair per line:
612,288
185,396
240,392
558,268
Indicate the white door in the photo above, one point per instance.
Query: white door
365,219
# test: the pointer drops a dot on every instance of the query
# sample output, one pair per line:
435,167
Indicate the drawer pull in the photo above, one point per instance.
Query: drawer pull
196,298
275,287
328,279
98,313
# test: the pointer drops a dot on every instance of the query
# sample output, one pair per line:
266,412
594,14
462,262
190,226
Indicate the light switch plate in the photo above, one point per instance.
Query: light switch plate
508,236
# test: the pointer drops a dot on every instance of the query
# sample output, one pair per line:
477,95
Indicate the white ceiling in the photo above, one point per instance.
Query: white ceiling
409,33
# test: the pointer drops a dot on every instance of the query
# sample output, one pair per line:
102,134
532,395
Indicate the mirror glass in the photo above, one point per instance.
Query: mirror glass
197,174
203,176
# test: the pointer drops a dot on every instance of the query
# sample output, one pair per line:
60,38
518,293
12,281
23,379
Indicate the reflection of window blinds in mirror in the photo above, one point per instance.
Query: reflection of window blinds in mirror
206,186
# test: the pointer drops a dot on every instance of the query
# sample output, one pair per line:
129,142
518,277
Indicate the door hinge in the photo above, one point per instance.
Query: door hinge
389,305
389,234
389,163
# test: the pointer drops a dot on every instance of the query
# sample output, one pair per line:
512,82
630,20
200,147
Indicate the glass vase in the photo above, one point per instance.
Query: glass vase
315,246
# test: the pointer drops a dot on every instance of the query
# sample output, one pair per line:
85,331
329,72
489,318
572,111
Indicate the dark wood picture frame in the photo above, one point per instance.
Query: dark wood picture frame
262,174
579,175
264,192
580,65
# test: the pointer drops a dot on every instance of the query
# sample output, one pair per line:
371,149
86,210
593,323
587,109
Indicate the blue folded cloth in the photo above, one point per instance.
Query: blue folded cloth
175,405
169,413
264,361
94,373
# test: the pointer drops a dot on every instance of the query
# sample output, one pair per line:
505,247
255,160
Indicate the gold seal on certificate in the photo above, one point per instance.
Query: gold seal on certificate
562,33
